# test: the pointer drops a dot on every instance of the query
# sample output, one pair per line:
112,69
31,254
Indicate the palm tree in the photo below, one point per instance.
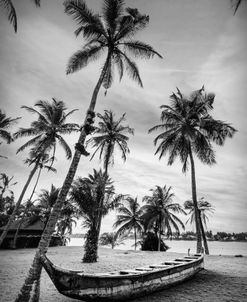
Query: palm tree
86,194
110,31
129,218
6,202
160,210
44,160
46,201
188,130
66,221
5,124
108,135
113,239
47,131
204,207
6,183
11,12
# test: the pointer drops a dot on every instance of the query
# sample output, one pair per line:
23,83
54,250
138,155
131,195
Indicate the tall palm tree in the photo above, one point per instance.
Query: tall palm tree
5,124
204,207
11,12
160,212
109,135
188,130
47,131
106,32
86,194
129,218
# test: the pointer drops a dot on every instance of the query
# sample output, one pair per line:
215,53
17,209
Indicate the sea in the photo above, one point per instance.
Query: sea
181,246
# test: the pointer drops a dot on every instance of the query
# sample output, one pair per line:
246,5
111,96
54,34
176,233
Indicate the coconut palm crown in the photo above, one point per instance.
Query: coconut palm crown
110,32
48,128
160,212
109,134
204,207
188,127
5,124
129,217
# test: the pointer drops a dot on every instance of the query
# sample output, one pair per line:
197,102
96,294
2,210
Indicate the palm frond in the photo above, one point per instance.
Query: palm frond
89,23
65,146
10,10
132,69
140,49
112,11
82,57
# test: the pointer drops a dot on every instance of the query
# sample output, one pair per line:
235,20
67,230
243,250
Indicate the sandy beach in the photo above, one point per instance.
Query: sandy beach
224,277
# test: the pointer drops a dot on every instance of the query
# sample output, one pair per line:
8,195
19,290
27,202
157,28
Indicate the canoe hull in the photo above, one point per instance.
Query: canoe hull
107,287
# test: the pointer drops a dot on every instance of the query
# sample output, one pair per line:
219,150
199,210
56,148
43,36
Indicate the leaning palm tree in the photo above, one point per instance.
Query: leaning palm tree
47,131
160,212
129,218
43,164
109,135
112,31
188,130
204,207
11,12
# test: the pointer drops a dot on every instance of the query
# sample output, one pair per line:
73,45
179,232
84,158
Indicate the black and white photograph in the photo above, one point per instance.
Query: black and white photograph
123,141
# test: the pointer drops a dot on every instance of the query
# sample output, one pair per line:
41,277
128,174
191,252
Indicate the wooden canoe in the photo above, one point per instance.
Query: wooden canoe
122,285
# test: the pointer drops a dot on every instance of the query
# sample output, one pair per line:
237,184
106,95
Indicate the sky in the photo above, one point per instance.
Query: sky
202,43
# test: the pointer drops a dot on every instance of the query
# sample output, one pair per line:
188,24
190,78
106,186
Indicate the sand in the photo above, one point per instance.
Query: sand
224,277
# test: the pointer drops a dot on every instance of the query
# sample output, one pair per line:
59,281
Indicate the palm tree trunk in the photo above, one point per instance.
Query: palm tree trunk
194,199
25,212
12,217
135,236
159,242
101,201
91,245
49,229
205,243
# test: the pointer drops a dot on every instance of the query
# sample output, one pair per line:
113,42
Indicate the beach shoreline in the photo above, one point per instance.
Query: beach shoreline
223,279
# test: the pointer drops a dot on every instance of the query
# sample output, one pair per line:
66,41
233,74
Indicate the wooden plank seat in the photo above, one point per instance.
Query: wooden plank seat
147,269
184,259
159,266
172,262
129,271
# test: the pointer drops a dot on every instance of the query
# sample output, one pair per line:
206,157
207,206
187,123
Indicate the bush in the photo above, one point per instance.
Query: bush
150,243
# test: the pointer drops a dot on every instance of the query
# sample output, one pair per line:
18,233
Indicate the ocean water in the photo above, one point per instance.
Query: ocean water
181,246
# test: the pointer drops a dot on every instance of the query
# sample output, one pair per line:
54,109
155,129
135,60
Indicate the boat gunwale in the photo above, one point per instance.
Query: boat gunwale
118,275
